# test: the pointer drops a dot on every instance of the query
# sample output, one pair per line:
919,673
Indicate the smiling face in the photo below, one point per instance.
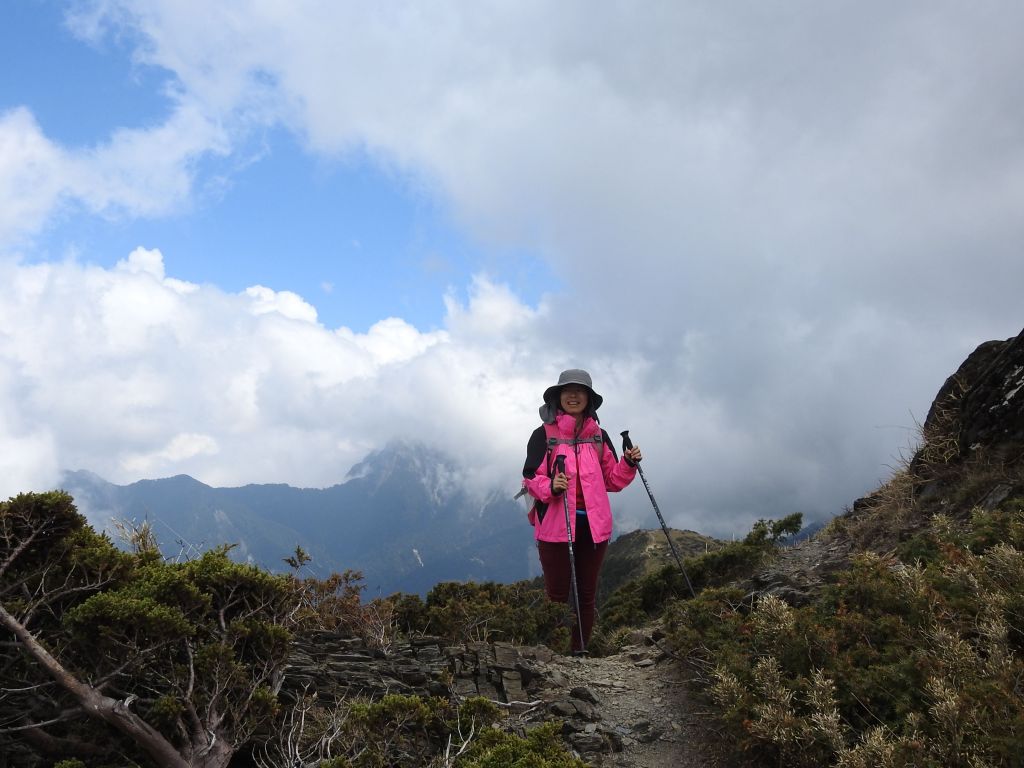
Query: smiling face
573,399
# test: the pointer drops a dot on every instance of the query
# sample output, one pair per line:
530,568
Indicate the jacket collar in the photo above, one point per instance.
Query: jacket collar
567,425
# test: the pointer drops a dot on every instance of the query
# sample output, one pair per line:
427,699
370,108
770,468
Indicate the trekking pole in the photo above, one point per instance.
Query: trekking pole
560,469
626,445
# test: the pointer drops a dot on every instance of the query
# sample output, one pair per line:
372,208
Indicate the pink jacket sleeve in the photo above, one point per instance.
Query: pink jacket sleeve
539,486
617,474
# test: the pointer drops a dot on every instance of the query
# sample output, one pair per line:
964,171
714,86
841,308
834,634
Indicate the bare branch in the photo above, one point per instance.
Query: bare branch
93,702
64,717
22,546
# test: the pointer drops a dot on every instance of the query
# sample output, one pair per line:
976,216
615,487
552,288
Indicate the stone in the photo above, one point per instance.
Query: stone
588,742
562,709
648,736
487,690
641,725
558,679
505,656
615,740
542,653
511,683
996,496
585,710
584,694
336,668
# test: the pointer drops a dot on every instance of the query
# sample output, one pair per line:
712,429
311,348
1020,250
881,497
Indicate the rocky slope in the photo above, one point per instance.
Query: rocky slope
639,553
971,457
628,710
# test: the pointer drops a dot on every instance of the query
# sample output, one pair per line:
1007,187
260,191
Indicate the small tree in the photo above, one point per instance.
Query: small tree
181,661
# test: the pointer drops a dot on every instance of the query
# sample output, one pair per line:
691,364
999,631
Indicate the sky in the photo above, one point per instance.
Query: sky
254,241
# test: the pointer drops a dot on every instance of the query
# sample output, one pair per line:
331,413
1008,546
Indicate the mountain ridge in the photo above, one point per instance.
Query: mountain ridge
399,518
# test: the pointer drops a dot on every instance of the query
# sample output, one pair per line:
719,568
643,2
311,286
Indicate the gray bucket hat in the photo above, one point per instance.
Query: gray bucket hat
571,376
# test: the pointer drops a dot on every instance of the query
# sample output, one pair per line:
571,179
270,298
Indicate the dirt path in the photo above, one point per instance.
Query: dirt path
640,704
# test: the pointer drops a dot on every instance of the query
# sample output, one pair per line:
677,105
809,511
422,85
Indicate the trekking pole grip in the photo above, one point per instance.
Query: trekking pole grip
626,442
559,470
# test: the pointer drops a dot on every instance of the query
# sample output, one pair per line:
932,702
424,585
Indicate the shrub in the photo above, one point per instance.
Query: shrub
541,748
469,611
896,663
643,599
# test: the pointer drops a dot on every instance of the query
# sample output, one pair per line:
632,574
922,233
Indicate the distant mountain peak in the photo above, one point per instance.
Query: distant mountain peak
82,474
411,462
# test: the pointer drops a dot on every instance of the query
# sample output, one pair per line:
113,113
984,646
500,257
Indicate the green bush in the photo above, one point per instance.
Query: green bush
411,731
646,598
541,748
459,611
897,663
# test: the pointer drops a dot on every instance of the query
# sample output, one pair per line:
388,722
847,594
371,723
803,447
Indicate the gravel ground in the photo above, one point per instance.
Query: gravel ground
641,695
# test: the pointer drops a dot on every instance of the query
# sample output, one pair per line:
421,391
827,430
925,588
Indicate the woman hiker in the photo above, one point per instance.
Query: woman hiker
571,429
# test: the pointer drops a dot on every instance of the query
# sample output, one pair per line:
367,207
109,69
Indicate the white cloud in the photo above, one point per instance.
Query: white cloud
145,171
286,303
678,158
30,184
176,453
778,229
29,450
393,340
121,372
138,172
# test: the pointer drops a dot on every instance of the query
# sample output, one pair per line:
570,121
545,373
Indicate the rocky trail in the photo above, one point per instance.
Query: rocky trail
630,710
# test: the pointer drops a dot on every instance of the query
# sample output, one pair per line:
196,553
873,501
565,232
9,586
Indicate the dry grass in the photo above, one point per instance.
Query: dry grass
899,506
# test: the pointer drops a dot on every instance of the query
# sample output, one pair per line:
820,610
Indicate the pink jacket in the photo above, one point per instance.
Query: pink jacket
599,473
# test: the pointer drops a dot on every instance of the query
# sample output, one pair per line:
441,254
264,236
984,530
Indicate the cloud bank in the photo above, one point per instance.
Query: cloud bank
778,230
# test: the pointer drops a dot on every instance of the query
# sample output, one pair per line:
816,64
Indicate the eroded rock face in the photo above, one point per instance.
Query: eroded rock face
983,402
532,683
337,668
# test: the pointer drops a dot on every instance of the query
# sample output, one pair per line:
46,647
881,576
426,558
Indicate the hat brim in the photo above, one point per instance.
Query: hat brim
551,395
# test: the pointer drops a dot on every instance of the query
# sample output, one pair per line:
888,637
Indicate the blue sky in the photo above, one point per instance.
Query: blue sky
253,241
358,239
81,92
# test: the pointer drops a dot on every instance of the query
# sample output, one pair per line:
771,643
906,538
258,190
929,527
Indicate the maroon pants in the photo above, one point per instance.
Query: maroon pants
554,559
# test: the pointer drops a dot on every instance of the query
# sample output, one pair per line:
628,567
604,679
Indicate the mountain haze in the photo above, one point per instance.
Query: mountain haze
402,517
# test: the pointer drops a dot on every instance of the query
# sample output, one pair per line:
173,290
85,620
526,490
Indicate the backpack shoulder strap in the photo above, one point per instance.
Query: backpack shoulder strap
551,440
608,442
535,451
